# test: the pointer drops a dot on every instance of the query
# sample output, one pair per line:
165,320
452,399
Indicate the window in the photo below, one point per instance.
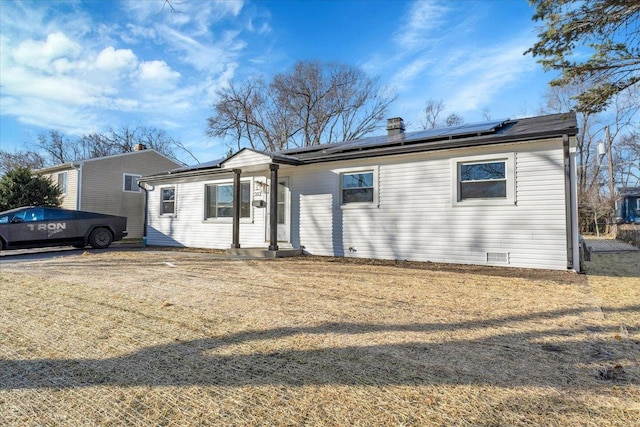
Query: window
487,180
168,201
638,204
357,187
219,200
483,180
130,183
62,182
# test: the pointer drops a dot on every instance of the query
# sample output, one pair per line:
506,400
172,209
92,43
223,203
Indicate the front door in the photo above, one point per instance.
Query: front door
284,212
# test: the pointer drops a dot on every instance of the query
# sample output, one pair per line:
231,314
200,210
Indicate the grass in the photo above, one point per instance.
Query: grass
179,338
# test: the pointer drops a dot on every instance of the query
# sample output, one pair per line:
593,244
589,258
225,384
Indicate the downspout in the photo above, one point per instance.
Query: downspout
235,229
146,214
78,186
571,207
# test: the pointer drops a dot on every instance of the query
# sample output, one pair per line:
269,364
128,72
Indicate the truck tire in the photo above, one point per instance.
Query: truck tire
100,238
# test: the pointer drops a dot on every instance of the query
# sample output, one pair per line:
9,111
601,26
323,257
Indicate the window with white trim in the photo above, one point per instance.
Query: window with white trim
357,187
488,179
168,201
62,182
638,204
129,183
482,180
219,200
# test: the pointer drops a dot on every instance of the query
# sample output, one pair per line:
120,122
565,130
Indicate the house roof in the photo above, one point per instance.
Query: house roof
469,135
76,163
466,135
629,191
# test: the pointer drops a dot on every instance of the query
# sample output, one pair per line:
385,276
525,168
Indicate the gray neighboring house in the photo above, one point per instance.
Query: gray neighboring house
628,205
496,193
109,185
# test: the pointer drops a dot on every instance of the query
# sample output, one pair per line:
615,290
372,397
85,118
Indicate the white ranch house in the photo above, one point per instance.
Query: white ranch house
495,193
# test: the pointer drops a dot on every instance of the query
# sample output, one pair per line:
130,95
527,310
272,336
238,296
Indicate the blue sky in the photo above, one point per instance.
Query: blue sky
85,66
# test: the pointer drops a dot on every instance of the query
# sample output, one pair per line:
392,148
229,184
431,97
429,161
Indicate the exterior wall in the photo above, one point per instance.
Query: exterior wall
187,227
102,185
417,218
70,198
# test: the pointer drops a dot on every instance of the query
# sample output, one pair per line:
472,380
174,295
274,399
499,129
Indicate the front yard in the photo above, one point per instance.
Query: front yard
180,338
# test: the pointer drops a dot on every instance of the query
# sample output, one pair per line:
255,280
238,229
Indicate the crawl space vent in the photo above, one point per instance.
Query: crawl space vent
497,257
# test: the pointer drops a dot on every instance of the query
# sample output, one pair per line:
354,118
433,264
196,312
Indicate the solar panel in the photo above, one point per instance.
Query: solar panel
448,132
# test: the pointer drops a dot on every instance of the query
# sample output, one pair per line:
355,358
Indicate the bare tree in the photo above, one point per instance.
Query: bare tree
25,159
627,160
61,149
453,119
486,114
312,104
431,116
592,171
57,146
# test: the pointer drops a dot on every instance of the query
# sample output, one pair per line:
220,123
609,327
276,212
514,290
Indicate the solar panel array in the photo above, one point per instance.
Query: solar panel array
448,132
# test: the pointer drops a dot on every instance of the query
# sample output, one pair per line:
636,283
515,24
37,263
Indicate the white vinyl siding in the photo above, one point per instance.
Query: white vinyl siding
416,215
418,220
188,227
247,158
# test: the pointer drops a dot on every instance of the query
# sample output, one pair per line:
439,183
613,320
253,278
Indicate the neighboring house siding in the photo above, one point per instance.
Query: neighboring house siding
417,218
102,186
70,198
187,227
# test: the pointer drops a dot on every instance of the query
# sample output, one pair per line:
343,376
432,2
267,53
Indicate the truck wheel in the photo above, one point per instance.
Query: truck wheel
100,238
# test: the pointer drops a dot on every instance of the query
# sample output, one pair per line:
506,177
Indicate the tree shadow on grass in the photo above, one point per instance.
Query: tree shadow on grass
520,358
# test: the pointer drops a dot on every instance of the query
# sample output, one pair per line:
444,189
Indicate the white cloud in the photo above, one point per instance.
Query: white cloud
475,81
39,54
157,71
424,17
116,59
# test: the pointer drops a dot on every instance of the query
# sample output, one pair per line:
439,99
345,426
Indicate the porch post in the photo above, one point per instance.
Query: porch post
273,208
236,209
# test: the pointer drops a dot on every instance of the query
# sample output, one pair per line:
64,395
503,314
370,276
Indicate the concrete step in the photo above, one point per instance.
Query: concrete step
265,253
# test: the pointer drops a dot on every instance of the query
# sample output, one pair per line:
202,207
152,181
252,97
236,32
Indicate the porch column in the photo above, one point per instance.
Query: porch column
273,208
236,209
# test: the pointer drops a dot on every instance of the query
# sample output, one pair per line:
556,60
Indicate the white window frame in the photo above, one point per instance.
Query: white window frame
510,176
134,177
376,187
638,204
229,219
175,201
64,187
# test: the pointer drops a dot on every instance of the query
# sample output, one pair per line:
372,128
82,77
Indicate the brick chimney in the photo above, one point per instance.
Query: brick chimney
395,126
139,147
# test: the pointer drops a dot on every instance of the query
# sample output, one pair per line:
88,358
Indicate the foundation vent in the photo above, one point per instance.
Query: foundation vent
497,258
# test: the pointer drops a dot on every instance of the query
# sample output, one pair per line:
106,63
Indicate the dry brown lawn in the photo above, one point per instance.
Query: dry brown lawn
177,338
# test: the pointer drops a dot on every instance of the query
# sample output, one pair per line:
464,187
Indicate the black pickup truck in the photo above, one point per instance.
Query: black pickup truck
38,226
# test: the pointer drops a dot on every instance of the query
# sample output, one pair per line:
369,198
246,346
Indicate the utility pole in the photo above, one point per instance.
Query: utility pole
612,189
607,136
